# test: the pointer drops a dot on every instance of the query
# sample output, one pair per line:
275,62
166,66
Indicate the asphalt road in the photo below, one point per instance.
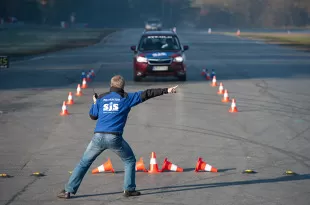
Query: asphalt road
270,134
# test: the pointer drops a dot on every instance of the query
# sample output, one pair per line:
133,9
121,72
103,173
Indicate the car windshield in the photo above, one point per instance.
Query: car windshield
154,21
159,43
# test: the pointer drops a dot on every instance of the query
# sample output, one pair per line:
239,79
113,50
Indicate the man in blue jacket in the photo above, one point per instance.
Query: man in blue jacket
111,110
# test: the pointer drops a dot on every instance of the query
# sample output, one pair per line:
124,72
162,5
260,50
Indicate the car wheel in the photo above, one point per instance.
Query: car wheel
182,78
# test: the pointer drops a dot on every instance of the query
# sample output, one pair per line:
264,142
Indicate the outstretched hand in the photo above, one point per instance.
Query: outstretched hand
172,89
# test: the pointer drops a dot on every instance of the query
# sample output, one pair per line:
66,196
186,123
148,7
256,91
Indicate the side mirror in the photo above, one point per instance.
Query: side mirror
185,48
133,48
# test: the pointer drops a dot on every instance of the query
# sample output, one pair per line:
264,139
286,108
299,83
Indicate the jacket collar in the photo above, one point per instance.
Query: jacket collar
117,90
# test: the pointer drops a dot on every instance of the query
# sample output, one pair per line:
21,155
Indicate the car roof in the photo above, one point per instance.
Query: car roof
149,33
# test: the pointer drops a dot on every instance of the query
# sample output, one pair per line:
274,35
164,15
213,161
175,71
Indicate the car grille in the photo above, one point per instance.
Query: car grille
160,61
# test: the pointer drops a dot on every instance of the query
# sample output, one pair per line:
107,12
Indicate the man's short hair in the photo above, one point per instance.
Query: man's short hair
118,81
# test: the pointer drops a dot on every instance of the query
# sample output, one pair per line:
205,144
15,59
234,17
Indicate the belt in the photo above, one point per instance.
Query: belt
112,133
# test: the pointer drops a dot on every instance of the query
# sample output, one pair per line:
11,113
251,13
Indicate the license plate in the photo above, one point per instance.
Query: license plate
160,68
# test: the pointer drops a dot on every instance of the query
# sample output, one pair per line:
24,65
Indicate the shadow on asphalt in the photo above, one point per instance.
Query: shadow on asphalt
190,187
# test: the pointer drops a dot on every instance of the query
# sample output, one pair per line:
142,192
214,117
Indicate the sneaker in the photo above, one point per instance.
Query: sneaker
64,195
131,193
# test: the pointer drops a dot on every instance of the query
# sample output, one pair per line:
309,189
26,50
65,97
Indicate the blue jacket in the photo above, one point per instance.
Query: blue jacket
112,108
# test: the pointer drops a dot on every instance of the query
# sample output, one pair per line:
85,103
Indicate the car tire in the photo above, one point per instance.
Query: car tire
182,78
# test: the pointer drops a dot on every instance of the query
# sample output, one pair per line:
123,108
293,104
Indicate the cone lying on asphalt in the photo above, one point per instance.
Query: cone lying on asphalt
106,167
203,166
170,167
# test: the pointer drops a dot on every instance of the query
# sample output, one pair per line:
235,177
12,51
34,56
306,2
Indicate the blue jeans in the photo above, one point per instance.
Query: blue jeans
98,144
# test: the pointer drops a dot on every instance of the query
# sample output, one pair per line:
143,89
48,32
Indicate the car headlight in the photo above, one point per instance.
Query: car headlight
141,59
178,59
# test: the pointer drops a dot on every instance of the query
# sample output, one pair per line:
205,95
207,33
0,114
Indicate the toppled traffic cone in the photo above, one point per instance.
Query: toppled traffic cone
70,99
221,89
171,167
203,166
214,84
78,90
64,110
84,83
233,107
153,164
140,165
225,96
106,167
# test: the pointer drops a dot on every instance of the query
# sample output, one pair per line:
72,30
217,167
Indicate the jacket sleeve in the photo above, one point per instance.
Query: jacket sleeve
151,93
141,96
94,111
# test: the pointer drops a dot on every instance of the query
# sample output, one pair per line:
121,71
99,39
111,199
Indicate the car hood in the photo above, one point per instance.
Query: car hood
161,55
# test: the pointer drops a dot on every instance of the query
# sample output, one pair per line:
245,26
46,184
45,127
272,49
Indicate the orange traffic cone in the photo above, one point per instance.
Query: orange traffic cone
221,89
84,83
64,110
171,167
107,166
208,75
203,166
78,90
225,97
140,165
70,99
153,164
233,107
213,84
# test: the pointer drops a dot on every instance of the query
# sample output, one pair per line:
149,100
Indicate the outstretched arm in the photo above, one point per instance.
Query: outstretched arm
151,93
142,96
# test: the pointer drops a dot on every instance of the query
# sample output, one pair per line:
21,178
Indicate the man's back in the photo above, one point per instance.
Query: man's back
112,108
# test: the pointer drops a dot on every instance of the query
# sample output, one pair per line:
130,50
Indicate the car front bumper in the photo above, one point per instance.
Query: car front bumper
174,69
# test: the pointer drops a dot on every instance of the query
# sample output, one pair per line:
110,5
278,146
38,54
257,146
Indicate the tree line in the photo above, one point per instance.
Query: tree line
132,13
253,13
